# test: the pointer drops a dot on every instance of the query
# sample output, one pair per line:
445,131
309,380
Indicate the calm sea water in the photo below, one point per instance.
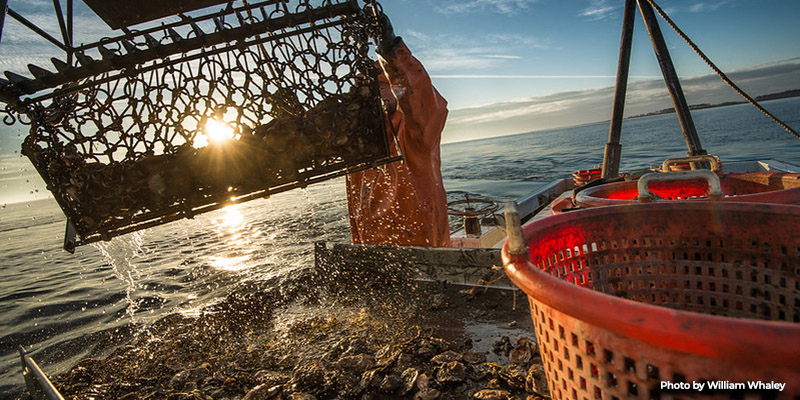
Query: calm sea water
66,307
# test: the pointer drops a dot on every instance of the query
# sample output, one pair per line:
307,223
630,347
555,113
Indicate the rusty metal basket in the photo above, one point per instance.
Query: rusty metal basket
624,298
755,187
187,115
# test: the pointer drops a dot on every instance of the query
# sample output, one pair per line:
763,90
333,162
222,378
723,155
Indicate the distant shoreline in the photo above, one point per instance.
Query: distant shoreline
772,96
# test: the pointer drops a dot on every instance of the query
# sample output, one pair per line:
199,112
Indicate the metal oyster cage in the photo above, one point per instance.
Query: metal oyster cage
200,111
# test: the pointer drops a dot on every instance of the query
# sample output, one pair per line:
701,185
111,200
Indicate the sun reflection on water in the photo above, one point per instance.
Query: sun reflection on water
239,249
233,219
231,263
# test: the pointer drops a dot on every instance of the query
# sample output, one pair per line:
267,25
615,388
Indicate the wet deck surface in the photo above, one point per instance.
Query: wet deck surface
312,336
484,317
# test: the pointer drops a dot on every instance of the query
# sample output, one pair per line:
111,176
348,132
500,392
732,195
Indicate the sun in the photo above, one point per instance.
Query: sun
216,132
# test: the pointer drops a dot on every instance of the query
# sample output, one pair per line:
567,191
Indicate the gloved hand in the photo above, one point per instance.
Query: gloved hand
387,41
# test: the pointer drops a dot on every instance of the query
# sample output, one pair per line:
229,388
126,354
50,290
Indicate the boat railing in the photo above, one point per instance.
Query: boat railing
38,384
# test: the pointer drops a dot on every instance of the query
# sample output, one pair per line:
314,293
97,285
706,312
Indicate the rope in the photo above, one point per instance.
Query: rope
721,74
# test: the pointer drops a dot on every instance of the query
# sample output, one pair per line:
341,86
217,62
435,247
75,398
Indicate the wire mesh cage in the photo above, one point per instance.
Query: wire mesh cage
167,122
628,297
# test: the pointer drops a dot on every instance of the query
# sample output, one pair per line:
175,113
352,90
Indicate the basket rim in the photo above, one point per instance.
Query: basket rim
781,196
734,339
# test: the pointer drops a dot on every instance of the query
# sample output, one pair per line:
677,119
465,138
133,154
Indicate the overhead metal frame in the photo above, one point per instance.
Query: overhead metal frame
9,91
613,150
3,10
125,13
65,25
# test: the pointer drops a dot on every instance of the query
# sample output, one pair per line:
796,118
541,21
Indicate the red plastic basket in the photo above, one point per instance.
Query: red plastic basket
561,205
756,187
623,298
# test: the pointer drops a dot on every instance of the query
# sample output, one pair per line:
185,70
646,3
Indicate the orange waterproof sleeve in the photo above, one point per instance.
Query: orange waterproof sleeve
405,203
423,108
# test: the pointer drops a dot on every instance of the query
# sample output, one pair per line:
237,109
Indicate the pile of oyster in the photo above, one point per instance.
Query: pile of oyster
424,368
339,131
289,340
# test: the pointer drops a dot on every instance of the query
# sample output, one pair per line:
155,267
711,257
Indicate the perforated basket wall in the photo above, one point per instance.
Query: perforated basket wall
129,143
624,298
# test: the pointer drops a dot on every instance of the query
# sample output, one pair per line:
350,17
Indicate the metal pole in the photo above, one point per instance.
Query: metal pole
671,78
61,23
3,8
613,151
70,33
30,25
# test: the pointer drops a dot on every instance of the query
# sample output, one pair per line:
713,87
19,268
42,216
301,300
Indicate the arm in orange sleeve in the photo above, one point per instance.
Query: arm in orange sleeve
424,109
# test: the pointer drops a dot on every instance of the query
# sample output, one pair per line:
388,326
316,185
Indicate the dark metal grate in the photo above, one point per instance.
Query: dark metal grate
125,142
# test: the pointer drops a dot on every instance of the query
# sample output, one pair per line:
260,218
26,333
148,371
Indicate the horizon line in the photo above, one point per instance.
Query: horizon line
539,76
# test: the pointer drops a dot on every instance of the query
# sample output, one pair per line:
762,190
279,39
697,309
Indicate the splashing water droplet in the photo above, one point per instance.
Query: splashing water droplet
120,253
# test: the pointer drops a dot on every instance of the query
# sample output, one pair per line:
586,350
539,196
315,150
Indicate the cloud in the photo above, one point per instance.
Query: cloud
670,10
599,9
510,39
470,52
587,106
707,6
698,7
503,57
510,110
507,7
33,6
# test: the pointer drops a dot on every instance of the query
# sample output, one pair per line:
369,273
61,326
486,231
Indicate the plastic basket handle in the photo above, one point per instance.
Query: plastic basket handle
714,187
712,160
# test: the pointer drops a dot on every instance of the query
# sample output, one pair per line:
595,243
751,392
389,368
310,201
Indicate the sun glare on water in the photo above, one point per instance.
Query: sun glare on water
233,219
239,250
